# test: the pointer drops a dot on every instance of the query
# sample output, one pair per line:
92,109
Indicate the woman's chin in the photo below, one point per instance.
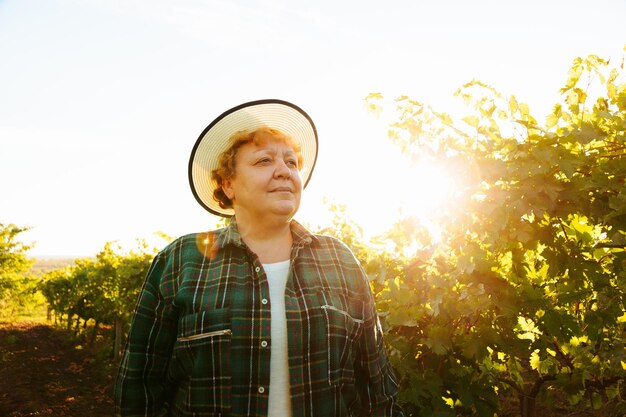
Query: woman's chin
285,208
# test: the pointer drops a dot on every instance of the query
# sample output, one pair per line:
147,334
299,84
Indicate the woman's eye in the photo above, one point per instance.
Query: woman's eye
292,163
264,161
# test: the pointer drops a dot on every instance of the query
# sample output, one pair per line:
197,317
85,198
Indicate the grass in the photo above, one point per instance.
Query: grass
37,315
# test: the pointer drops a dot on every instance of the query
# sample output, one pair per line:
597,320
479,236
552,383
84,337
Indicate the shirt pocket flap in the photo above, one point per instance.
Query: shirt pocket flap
205,324
350,308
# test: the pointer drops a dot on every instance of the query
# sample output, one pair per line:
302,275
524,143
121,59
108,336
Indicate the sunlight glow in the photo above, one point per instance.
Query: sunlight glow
428,189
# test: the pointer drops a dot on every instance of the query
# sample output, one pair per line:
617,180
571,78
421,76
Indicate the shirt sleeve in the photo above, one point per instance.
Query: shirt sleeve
141,387
377,384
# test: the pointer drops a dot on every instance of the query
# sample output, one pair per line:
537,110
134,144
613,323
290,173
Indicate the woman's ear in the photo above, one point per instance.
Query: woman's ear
227,187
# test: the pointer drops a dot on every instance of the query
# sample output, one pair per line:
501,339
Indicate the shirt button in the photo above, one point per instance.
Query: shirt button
264,343
261,390
257,269
264,301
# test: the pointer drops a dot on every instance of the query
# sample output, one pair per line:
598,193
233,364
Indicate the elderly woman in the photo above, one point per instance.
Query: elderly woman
261,317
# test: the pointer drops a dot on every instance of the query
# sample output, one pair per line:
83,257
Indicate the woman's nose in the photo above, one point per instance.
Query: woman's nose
282,169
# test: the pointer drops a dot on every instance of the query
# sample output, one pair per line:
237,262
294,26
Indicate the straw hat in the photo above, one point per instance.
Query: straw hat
214,140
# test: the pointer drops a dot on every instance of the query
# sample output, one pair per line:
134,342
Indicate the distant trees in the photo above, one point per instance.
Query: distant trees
104,289
16,287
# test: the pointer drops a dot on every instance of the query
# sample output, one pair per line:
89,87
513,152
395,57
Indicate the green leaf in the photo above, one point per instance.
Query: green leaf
438,339
471,120
574,75
513,106
474,348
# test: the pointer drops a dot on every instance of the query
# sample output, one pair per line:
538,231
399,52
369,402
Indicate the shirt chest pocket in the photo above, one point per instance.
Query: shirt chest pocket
343,320
201,361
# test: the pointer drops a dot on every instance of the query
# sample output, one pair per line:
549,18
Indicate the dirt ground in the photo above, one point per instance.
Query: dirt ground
44,373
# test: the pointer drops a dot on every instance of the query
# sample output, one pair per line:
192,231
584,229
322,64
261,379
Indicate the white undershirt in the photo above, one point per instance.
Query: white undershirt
279,395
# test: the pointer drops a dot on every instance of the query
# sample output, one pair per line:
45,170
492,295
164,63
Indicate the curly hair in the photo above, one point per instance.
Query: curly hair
226,163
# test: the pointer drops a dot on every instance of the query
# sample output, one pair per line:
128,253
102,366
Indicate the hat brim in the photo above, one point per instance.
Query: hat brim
214,140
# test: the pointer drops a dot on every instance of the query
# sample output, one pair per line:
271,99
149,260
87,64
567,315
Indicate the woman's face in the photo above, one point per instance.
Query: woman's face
266,181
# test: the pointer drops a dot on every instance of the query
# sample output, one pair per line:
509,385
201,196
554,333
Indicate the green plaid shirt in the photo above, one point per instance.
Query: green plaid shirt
199,343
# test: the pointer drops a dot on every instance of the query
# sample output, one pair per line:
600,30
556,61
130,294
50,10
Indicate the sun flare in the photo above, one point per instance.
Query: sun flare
429,189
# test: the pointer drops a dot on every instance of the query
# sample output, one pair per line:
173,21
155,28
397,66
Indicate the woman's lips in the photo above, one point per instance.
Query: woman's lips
282,190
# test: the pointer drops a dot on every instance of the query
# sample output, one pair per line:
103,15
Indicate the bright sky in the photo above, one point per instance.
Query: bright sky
102,101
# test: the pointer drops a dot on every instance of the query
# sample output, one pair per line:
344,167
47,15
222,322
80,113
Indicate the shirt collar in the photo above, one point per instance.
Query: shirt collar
229,235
